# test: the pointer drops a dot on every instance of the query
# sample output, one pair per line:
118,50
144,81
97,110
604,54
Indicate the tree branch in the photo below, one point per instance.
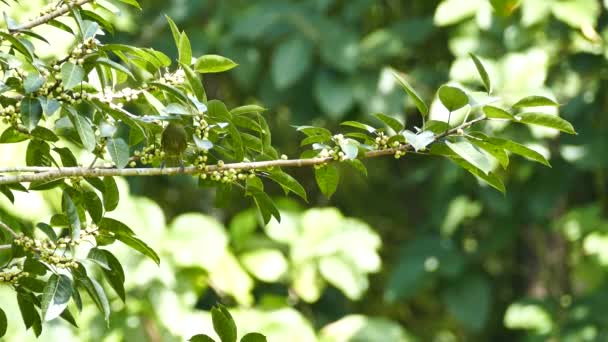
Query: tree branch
51,174
61,10
5,247
8,229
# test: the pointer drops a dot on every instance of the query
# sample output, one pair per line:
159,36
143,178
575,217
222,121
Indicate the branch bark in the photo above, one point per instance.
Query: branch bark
8,229
51,174
61,10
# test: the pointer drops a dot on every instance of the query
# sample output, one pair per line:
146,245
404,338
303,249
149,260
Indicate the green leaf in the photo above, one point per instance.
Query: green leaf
38,153
390,121
223,324
546,120
174,32
94,290
452,98
495,151
184,49
422,107
288,183
93,204
471,154
265,204
115,275
11,135
45,185
469,300
195,83
291,61
44,134
359,125
497,113
49,106
111,195
201,338
247,109
485,78
138,245
85,130
18,45
67,157
116,66
69,208
207,64
31,112
71,75
327,179
3,323
515,148
358,165
48,230
114,226
56,295
254,337
28,311
489,178
32,82
535,101
119,151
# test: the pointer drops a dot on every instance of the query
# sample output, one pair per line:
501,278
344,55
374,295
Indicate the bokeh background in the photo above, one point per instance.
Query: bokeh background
418,250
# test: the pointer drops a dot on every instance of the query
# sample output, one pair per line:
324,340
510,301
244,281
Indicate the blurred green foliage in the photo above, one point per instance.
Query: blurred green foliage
460,261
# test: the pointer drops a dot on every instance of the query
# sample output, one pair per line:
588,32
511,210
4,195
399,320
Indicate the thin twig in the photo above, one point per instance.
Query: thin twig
8,229
54,174
5,247
61,10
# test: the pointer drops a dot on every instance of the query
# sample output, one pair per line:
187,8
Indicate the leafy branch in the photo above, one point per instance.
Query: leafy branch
44,19
47,174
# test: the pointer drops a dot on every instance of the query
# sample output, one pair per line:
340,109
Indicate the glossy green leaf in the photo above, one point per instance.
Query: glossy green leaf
184,50
264,204
223,324
515,148
3,323
71,75
495,151
93,205
535,101
29,314
94,290
43,133
485,78
327,179
422,107
288,183
85,131
546,120
119,151
32,82
358,125
11,135
471,154
254,337
496,113
70,210
111,195
195,83
139,246
31,112
213,63
56,295
452,98
489,178
390,121
201,338
116,66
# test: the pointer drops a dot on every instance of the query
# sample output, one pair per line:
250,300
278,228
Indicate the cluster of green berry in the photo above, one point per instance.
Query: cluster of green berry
12,275
46,250
176,78
228,176
381,141
63,5
11,114
148,155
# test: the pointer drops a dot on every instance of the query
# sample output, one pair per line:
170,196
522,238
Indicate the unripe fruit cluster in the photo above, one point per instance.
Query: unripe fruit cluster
12,275
11,115
149,154
381,141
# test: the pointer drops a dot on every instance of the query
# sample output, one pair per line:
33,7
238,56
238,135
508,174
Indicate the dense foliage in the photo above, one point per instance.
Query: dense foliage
459,260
